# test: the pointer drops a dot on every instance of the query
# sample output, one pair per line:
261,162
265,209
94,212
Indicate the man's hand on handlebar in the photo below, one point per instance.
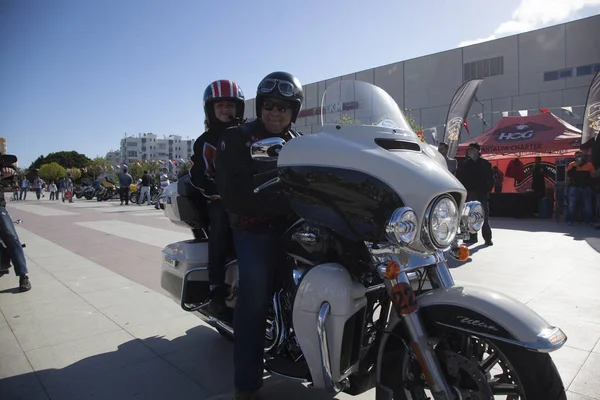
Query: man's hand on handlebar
214,197
7,172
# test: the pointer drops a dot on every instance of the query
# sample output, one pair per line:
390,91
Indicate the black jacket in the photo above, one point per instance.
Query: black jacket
239,175
146,180
477,176
203,172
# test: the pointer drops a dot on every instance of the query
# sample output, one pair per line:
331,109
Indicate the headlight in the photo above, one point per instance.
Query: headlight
473,216
442,220
402,227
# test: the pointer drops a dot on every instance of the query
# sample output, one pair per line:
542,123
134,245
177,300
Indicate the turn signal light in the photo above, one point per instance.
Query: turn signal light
392,270
463,253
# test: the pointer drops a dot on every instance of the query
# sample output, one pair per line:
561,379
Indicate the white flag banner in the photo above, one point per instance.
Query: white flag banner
569,110
523,113
505,113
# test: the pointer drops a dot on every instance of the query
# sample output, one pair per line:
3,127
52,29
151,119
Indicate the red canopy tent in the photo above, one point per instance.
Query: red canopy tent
544,135
537,134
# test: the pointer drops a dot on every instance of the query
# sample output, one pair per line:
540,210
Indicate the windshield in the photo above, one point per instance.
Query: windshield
351,102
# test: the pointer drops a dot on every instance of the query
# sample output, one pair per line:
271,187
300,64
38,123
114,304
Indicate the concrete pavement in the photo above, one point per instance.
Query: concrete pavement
97,327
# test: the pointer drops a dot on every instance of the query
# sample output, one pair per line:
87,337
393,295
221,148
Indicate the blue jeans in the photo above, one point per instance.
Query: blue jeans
576,196
218,242
258,255
9,236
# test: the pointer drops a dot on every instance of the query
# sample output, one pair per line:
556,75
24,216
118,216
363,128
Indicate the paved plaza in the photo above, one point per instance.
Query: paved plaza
97,324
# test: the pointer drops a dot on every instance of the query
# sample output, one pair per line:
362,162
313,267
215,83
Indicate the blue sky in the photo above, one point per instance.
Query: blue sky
77,75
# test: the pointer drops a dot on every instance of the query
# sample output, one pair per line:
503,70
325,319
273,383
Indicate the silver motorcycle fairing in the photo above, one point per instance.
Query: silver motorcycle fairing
325,300
411,173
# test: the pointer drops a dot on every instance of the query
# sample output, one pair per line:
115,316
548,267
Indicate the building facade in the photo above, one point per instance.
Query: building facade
546,68
148,146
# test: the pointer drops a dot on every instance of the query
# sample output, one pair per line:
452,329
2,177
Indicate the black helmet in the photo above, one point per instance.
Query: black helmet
280,85
223,90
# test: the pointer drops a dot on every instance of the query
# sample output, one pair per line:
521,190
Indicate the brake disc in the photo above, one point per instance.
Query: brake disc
465,377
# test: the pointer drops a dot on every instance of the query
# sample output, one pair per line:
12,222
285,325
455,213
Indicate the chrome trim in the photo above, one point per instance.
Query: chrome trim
184,306
530,346
216,323
426,235
467,213
292,378
267,149
442,275
277,323
396,228
324,347
375,288
268,183
305,238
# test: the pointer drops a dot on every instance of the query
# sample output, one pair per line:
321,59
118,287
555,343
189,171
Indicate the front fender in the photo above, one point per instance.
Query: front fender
491,314
476,310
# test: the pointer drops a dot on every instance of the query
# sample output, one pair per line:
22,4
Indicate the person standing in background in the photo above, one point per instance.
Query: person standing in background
24,189
125,181
477,176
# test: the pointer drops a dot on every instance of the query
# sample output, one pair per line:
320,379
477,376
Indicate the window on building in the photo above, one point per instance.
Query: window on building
585,70
565,73
550,76
483,68
596,68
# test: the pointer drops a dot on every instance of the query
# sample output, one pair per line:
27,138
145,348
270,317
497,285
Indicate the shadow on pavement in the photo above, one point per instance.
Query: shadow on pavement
577,231
197,365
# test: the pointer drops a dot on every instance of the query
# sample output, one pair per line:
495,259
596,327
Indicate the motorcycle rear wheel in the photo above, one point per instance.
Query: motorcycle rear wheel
525,375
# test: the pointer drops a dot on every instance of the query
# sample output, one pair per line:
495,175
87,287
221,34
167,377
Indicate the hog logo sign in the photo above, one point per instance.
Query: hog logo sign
521,132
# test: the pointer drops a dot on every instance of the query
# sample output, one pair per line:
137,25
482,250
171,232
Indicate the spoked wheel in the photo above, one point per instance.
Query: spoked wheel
480,368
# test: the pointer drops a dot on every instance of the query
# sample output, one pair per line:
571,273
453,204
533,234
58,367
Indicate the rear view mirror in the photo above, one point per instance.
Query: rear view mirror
267,149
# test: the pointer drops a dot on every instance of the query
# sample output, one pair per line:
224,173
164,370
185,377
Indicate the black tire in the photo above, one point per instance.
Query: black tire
535,372
133,198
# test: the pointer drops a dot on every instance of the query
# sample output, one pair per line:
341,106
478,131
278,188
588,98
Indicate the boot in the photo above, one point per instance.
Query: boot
216,305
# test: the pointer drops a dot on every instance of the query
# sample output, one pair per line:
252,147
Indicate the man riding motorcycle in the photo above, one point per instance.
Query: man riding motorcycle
224,108
257,219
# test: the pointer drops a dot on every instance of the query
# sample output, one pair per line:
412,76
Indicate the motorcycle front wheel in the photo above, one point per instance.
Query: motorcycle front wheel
477,367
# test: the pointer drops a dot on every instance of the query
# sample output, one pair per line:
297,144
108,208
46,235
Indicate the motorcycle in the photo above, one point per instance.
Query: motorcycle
366,298
80,190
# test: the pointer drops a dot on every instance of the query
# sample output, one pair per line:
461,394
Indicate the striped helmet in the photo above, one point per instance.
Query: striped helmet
223,90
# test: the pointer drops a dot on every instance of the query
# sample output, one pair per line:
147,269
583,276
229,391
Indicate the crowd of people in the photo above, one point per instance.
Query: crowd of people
23,185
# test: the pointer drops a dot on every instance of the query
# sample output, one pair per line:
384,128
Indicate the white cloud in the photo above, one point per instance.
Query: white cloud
533,14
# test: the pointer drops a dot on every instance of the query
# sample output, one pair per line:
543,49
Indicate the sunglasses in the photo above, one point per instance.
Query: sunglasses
286,88
270,105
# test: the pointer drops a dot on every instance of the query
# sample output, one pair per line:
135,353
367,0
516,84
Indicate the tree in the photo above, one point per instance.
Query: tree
75,173
136,169
152,166
98,166
185,168
414,125
52,171
68,159
346,120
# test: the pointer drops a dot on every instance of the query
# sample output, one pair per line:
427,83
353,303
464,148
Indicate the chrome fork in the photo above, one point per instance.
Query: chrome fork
404,302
